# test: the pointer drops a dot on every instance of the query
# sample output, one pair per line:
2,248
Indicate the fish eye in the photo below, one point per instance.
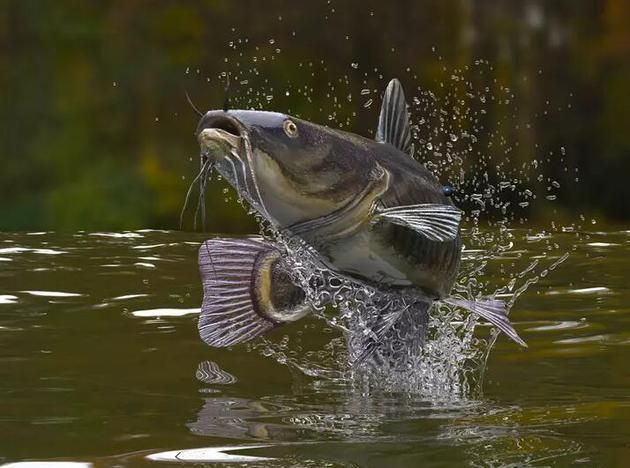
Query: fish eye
290,128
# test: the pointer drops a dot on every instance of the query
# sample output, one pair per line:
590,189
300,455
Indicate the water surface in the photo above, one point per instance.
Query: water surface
101,364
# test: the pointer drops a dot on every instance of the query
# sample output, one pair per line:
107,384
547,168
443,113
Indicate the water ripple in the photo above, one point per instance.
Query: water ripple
117,235
18,250
210,455
593,290
164,312
560,325
7,299
52,294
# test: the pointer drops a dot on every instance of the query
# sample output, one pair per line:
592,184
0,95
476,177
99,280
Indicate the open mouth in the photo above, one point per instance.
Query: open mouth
225,145
223,122
219,135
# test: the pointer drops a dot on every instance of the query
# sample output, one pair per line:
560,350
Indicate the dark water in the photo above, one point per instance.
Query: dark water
99,358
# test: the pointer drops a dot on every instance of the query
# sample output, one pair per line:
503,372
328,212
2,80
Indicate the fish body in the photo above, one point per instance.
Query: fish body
385,254
370,211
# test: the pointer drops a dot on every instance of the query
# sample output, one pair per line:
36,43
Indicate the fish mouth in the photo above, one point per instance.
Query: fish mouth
220,135
225,145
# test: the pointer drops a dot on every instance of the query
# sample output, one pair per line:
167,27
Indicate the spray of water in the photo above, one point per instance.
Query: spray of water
462,143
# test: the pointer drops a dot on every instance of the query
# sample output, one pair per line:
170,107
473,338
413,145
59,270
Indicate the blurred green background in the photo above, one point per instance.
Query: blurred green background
97,132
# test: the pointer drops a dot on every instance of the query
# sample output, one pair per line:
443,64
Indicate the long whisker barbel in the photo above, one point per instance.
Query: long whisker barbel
238,185
203,183
240,160
201,201
192,104
204,169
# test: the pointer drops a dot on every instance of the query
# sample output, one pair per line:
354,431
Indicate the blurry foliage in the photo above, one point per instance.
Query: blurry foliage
97,133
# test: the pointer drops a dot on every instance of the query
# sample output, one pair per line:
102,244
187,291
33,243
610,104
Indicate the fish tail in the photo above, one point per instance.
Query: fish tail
247,291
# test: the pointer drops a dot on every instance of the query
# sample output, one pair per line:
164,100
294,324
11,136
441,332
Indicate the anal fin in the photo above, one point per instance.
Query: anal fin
492,310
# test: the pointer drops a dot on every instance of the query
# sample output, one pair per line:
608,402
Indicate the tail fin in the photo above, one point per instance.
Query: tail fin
246,291
493,310
228,312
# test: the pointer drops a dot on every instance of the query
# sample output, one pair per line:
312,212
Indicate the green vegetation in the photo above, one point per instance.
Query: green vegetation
97,132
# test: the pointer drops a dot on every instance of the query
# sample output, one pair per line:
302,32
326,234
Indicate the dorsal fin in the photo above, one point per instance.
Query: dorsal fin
393,122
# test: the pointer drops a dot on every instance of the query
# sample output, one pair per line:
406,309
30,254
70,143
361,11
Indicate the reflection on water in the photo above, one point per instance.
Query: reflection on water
210,373
100,363
214,454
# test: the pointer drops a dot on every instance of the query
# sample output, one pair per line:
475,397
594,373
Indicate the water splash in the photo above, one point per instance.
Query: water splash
464,132
409,350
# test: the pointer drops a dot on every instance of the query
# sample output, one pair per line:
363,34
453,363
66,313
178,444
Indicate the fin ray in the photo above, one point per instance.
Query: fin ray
393,121
434,221
228,312
492,310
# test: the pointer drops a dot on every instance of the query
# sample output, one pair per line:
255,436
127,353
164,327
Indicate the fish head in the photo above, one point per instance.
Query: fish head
290,170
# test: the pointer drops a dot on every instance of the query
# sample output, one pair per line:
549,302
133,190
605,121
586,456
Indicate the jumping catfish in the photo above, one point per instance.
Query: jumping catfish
371,211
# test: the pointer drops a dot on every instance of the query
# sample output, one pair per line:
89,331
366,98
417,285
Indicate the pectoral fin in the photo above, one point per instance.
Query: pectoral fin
493,310
434,221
